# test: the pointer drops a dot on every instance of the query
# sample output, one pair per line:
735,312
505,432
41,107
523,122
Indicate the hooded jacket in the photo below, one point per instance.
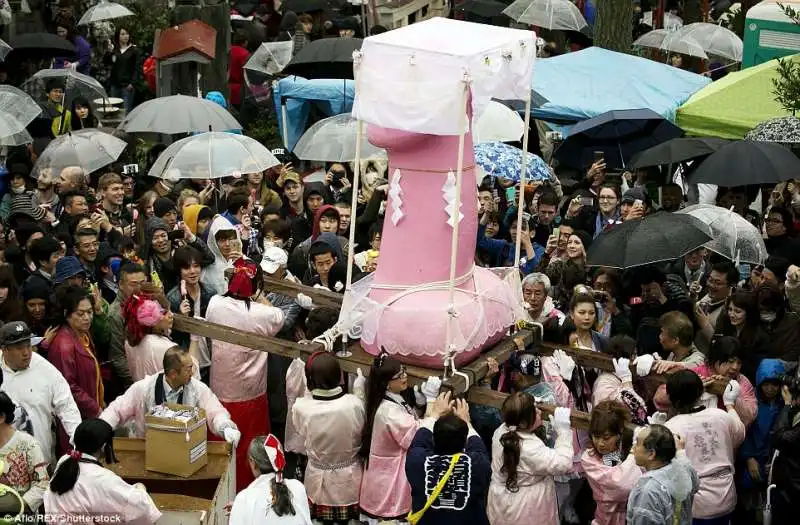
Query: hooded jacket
757,441
331,240
191,216
299,260
213,277
654,498
303,225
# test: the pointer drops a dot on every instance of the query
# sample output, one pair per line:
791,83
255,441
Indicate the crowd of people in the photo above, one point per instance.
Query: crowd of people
95,267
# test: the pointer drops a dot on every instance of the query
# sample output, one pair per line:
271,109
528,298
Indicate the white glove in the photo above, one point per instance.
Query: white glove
622,369
731,393
644,363
560,421
419,397
232,436
658,418
430,388
360,382
566,365
304,301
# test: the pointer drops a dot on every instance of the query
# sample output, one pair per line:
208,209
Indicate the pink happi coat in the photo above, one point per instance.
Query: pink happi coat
535,501
746,404
712,437
611,486
137,401
100,492
385,492
147,358
239,373
331,431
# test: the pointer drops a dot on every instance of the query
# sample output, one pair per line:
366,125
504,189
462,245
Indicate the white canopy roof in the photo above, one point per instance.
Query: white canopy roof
412,78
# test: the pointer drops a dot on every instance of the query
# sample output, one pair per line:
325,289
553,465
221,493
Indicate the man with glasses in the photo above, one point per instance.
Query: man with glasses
175,384
36,386
87,242
131,279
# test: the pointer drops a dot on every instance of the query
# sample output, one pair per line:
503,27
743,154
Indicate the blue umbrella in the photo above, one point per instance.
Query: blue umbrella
618,134
498,159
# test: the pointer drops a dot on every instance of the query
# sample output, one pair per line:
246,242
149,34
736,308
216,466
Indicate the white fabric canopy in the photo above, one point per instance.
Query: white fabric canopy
411,78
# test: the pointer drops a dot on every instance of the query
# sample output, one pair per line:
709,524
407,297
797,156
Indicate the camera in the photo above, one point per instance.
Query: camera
791,381
599,296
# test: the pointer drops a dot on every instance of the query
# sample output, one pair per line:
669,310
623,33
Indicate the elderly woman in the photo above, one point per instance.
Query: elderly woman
24,466
72,352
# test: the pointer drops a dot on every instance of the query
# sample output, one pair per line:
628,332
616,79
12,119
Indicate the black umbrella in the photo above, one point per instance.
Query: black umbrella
677,150
484,8
747,162
618,134
325,58
42,44
659,237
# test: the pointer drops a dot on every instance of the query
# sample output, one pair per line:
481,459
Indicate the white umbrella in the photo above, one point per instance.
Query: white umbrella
733,236
213,155
498,123
17,110
334,140
715,40
90,149
671,21
5,49
672,41
104,11
269,59
549,14
178,114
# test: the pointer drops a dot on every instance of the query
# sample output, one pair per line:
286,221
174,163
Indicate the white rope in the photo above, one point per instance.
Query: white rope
421,287
523,172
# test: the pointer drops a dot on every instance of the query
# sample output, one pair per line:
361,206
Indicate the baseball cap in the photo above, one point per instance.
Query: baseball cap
17,332
273,258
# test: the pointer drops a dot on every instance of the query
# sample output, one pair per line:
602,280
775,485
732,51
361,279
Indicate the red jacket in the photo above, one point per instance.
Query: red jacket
238,58
81,370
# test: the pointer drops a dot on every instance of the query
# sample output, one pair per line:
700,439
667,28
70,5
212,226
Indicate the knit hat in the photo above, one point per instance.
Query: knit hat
155,224
35,287
163,206
634,194
195,213
585,238
22,204
68,267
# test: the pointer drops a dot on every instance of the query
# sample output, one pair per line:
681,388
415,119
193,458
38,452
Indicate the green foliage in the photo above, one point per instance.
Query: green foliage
264,129
149,16
736,22
787,85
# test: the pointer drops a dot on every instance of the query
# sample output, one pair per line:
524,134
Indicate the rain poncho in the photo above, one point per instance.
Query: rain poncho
661,492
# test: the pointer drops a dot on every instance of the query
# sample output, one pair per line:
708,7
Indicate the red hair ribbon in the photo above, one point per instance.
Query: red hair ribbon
75,454
241,283
276,456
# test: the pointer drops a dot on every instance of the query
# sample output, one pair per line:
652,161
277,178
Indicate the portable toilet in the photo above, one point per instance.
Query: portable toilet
769,33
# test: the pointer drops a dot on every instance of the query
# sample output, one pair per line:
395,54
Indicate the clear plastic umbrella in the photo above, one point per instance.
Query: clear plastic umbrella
715,40
104,11
178,114
17,139
549,14
90,149
75,85
733,236
671,22
213,155
5,49
672,41
334,140
269,59
17,110
498,123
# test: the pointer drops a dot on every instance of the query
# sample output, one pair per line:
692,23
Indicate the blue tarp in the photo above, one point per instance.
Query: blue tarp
589,82
331,97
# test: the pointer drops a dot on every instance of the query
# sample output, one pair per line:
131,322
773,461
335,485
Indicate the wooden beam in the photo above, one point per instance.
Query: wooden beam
320,297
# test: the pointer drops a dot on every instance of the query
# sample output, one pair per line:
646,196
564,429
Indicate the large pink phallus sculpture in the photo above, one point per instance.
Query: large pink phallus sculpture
416,87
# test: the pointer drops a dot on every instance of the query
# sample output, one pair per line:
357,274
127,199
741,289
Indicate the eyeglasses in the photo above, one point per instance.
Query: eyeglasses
607,198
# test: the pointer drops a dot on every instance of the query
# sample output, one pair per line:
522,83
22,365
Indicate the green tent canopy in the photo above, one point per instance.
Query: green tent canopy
734,104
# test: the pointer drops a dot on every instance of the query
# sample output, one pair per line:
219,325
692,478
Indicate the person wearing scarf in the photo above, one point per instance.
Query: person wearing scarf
239,374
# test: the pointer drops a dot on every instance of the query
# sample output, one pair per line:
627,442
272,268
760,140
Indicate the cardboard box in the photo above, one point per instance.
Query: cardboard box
167,449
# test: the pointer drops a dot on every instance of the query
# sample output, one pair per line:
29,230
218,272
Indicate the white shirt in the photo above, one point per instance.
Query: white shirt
170,395
41,392
253,505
